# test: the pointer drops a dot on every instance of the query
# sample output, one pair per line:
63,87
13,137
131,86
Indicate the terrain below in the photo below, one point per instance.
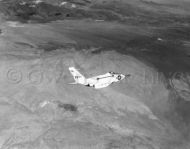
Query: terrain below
147,39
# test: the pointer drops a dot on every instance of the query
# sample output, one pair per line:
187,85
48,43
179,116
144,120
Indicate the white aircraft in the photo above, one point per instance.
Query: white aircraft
97,82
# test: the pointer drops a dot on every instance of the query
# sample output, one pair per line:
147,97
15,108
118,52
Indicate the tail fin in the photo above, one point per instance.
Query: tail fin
78,77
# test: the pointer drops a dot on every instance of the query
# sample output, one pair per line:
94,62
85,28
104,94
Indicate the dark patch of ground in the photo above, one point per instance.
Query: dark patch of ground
168,56
25,44
51,46
44,12
109,11
68,107
136,15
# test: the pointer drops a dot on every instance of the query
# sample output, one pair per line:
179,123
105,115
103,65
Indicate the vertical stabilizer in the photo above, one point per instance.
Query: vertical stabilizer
78,77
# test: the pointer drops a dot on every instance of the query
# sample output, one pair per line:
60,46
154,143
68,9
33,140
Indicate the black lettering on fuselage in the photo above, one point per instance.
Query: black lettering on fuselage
104,77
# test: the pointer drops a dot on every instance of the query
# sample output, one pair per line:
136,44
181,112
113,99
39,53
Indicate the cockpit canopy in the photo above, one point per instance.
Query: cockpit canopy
111,72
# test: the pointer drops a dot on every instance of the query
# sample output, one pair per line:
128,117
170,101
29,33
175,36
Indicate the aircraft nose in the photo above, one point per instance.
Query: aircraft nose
122,76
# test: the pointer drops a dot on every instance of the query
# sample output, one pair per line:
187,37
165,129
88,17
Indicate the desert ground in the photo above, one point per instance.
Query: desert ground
41,39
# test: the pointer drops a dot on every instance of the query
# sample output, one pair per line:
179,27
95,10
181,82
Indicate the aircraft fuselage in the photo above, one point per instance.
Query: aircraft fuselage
97,82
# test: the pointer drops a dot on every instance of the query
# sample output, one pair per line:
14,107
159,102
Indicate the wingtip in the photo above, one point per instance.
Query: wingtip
71,68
